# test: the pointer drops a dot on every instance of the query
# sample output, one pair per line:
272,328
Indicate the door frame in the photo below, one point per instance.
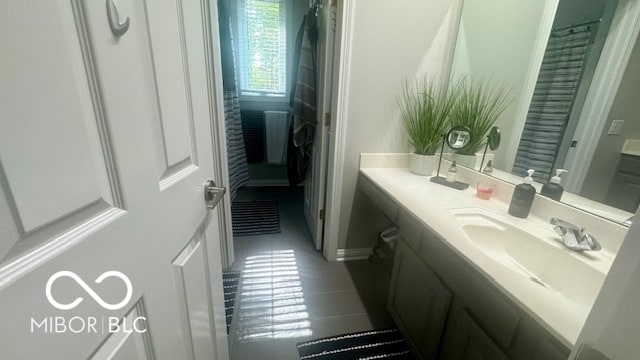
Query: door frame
345,16
218,133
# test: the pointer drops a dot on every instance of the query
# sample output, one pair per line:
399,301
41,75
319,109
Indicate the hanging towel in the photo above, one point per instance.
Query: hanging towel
277,129
304,102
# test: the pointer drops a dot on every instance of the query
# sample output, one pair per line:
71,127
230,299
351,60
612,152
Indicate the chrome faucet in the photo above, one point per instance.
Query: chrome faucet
573,237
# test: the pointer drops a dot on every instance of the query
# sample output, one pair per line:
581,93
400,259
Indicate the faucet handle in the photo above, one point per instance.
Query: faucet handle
563,224
573,237
589,239
560,230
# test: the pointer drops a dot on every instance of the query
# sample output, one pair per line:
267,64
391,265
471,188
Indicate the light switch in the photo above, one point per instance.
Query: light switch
616,127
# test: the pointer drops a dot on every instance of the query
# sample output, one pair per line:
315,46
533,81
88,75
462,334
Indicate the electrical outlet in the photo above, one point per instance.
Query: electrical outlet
616,127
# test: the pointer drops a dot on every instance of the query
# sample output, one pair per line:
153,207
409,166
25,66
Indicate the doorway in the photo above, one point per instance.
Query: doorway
276,101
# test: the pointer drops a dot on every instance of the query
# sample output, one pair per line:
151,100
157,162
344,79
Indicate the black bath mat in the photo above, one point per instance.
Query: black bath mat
373,344
255,217
230,280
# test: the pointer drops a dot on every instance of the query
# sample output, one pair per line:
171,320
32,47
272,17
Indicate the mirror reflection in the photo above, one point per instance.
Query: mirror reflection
458,138
574,72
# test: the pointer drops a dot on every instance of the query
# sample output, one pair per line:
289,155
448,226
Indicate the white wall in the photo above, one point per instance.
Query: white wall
390,43
614,322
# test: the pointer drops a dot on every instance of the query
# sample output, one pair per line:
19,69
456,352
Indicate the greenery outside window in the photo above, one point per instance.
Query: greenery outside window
262,47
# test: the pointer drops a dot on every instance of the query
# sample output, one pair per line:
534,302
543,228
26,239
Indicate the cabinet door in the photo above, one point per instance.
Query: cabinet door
418,302
467,341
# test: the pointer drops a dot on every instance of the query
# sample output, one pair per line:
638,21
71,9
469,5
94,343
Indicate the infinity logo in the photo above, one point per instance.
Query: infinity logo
89,291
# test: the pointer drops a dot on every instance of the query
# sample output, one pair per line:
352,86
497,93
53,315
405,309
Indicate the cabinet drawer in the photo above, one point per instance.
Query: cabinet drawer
385,203
629,165
410,229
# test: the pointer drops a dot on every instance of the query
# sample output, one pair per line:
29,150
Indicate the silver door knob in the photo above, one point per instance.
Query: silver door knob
213,193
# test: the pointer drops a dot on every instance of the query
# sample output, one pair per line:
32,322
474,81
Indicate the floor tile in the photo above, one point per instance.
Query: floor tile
290,294
326,282
331,304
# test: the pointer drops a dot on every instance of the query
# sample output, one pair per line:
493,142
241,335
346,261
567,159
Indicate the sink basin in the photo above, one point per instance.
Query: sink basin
531,251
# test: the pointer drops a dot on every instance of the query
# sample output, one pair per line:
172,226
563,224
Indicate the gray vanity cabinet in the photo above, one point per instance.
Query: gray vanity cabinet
448,310
467,340
418,302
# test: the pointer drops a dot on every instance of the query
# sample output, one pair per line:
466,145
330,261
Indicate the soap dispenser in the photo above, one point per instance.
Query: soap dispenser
553,189
522,198
452,172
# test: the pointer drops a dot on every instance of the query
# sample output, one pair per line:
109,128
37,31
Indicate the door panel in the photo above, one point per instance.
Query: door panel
174,94
469,342
104,153
192,279
126,344
60,131
419,310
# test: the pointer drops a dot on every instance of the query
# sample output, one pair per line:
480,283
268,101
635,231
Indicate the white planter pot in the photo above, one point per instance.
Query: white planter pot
470,161
422,164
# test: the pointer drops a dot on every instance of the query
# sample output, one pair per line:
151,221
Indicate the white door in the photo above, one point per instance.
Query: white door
107,250
315,186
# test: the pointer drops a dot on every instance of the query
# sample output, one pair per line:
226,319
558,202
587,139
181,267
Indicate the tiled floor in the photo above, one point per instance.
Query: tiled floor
290,294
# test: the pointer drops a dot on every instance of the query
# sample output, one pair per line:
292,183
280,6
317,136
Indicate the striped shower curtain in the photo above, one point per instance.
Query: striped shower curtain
237,159
552,102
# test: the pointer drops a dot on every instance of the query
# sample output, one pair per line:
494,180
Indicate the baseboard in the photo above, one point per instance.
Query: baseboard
268,182
353,254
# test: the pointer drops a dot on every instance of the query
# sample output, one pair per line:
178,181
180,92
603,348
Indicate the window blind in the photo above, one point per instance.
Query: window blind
262,42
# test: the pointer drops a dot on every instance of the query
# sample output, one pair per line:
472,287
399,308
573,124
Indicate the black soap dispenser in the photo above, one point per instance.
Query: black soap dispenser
522,198
553,189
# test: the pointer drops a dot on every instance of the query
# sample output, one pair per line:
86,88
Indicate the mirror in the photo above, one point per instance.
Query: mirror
562,58
493,142
493,139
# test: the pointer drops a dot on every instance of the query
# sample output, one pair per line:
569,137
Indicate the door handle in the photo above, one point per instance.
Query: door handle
213,193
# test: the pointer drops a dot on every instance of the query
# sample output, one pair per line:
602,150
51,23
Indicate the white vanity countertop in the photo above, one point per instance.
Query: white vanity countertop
431,203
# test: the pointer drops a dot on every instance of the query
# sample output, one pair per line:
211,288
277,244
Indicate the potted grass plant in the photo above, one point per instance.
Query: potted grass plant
424,107
478,106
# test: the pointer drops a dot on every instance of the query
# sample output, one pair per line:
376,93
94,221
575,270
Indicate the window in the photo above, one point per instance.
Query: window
262,47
